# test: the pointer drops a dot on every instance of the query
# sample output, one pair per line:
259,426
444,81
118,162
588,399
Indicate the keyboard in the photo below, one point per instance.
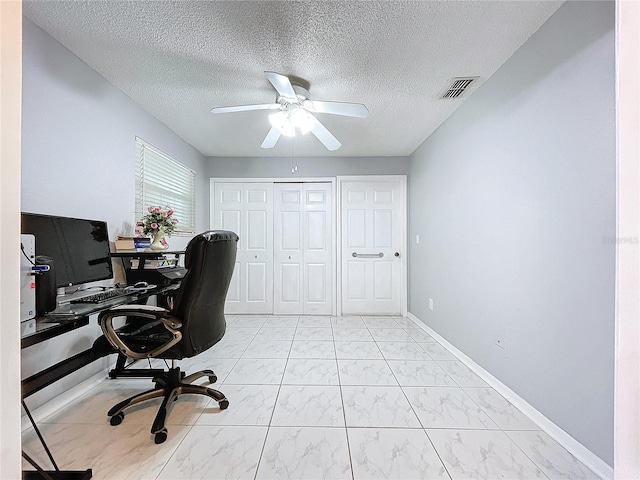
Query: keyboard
103,296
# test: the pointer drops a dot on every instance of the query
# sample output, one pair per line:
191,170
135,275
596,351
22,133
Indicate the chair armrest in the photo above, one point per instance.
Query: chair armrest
150,312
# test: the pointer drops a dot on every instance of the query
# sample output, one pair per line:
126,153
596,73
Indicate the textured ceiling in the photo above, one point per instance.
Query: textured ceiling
178,59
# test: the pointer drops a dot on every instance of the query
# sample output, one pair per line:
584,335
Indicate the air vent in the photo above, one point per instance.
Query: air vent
458,86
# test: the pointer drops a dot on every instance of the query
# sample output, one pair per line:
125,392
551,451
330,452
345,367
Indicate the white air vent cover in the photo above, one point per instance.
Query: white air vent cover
459,85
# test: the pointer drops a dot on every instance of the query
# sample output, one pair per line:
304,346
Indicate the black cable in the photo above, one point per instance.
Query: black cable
25,254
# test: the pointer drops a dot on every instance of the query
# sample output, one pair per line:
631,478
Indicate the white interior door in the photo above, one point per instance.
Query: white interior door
303,260
247,209
373,226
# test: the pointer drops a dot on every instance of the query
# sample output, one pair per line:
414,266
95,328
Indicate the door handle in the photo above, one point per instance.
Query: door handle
397,254
367,255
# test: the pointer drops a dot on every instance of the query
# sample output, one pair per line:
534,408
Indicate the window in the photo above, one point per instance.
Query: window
162,181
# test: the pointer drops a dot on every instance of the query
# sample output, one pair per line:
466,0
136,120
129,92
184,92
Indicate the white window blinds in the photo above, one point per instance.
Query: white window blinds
162,181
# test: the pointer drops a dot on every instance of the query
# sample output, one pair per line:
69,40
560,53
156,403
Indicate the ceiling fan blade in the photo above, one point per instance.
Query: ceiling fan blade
281,84
324,135
337,108
271,139
246,108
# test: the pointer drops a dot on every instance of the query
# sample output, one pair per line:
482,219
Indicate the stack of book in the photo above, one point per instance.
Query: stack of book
132,244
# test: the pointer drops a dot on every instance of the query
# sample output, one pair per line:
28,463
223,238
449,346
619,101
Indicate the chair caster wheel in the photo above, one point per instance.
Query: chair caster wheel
116,419
213,379
223,404
161,436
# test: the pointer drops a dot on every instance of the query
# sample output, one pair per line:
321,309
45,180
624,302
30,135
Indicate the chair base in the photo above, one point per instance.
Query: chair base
169,385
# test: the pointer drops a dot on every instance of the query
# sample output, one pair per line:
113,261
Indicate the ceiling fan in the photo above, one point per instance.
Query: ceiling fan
296,111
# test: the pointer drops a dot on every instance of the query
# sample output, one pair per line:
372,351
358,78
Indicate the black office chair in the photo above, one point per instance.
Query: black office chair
194,324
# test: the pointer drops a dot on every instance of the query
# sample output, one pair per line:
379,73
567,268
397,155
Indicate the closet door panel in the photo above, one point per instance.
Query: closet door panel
318,256
247,209
288,215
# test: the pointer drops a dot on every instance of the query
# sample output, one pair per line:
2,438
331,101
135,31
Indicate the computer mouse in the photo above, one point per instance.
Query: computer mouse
141,285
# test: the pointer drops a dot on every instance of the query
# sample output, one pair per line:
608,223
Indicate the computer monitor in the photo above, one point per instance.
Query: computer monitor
79,248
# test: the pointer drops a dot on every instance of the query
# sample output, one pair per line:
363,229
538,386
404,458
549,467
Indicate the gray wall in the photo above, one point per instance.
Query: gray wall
278,167
514,199
78,159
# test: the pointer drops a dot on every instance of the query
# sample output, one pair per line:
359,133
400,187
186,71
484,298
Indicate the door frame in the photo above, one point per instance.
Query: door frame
403,218
274,180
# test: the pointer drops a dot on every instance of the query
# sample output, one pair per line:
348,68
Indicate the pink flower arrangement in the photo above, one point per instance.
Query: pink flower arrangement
158,219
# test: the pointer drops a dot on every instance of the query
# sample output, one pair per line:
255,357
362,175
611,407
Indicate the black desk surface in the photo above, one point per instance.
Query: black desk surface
69,316
72,311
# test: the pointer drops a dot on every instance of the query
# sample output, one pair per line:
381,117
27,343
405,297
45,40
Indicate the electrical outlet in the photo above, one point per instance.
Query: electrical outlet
431,304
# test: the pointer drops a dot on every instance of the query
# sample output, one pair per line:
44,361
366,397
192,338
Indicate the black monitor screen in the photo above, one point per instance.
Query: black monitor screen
79,248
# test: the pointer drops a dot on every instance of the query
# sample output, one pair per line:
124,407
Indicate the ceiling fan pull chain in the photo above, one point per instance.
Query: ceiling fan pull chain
293,170
294,161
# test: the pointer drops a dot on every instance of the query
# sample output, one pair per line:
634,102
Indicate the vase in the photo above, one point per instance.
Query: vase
158,242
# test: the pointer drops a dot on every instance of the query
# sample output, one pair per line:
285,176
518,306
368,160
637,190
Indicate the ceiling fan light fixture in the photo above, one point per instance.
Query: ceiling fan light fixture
282,123
301,119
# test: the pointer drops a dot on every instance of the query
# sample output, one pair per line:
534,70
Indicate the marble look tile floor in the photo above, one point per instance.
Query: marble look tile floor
314,398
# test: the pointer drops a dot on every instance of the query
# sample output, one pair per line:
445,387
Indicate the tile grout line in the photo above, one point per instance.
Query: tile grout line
414,412
525,454
344,410
483,410
175,450
423,428
275,404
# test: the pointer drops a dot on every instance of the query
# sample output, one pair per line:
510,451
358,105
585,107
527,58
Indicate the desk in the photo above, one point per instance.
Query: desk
69,317
156,276
146,255
63,319
46,330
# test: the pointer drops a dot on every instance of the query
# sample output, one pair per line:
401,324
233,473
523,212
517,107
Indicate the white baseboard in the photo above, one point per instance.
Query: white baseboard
64,399
582,453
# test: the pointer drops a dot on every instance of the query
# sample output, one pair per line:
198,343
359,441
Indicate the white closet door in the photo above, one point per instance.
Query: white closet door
373,228
288,248
247,209
318,252
303,282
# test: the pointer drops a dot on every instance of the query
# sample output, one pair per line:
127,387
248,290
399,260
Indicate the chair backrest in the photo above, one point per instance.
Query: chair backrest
209,259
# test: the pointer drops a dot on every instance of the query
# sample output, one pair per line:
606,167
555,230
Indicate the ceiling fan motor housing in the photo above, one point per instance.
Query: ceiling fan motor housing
302,94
